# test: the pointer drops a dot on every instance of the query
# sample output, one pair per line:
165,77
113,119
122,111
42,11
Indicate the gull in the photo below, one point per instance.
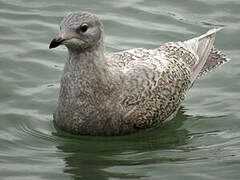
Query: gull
126,91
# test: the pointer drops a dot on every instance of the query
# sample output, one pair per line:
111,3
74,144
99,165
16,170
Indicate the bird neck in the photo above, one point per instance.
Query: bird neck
89,65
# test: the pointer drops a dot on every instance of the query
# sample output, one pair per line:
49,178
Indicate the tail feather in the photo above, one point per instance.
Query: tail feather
202,47
215,59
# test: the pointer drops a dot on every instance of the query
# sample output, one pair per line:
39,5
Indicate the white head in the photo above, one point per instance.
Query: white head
79,31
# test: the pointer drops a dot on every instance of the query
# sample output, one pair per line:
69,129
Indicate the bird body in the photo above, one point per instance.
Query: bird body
130,90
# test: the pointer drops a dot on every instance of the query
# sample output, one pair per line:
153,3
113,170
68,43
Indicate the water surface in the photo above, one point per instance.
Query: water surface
202,142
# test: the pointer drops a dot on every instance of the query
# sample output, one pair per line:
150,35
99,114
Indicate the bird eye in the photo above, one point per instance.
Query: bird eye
83,27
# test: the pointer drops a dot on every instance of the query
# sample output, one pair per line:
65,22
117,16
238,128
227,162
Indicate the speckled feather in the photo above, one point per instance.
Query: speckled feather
129,90
155,83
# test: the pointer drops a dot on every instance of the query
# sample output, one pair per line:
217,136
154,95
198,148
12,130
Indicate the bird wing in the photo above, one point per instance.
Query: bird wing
155,81
154,85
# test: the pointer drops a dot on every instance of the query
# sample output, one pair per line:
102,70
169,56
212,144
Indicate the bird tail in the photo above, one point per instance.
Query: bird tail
215,59
208,57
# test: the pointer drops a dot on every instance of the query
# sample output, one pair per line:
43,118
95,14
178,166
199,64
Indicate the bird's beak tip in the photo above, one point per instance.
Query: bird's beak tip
56,42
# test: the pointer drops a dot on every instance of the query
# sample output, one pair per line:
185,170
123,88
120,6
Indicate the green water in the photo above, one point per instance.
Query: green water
202,142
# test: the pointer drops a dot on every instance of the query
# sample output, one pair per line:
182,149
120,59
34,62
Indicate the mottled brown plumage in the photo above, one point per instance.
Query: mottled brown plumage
129,90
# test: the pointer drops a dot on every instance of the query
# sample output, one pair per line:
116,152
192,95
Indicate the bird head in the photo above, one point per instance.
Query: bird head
79,31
